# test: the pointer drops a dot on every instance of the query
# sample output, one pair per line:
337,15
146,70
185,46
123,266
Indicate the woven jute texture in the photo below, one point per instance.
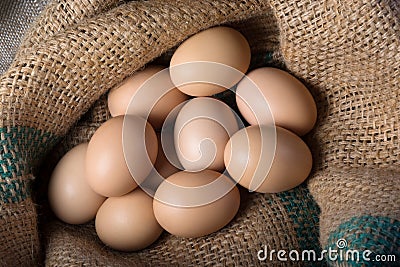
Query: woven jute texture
15,18
346,52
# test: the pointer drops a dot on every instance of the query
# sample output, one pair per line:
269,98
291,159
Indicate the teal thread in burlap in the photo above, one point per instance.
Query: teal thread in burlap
380,235
20,150
14,191
304,213
262,60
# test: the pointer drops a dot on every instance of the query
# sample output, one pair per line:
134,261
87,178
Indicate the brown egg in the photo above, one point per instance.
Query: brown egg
194,204
152,93
202,129
114,166
127,223
222,45
70,197
291,104
251,161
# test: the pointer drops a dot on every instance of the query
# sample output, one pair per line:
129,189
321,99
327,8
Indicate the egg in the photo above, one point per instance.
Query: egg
194,204
71,198
148,93
256,163
120,155
291,104
203,127
225,47
127,223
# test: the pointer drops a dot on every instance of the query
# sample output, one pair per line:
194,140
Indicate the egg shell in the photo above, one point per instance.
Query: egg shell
202,129
291,104
201,145
246,155
107,171
71,198
148,93
221,45
127,223
186,221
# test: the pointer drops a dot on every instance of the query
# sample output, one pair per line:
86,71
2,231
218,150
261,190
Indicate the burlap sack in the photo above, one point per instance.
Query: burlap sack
348,55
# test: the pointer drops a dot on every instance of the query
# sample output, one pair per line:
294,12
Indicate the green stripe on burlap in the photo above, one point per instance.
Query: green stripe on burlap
20,150
366,241
262,60
304,214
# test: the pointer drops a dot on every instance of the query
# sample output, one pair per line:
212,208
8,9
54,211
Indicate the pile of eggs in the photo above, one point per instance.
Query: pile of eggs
170,159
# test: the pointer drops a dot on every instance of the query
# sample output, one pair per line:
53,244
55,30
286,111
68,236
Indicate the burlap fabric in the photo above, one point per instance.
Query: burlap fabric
15,18
346,52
